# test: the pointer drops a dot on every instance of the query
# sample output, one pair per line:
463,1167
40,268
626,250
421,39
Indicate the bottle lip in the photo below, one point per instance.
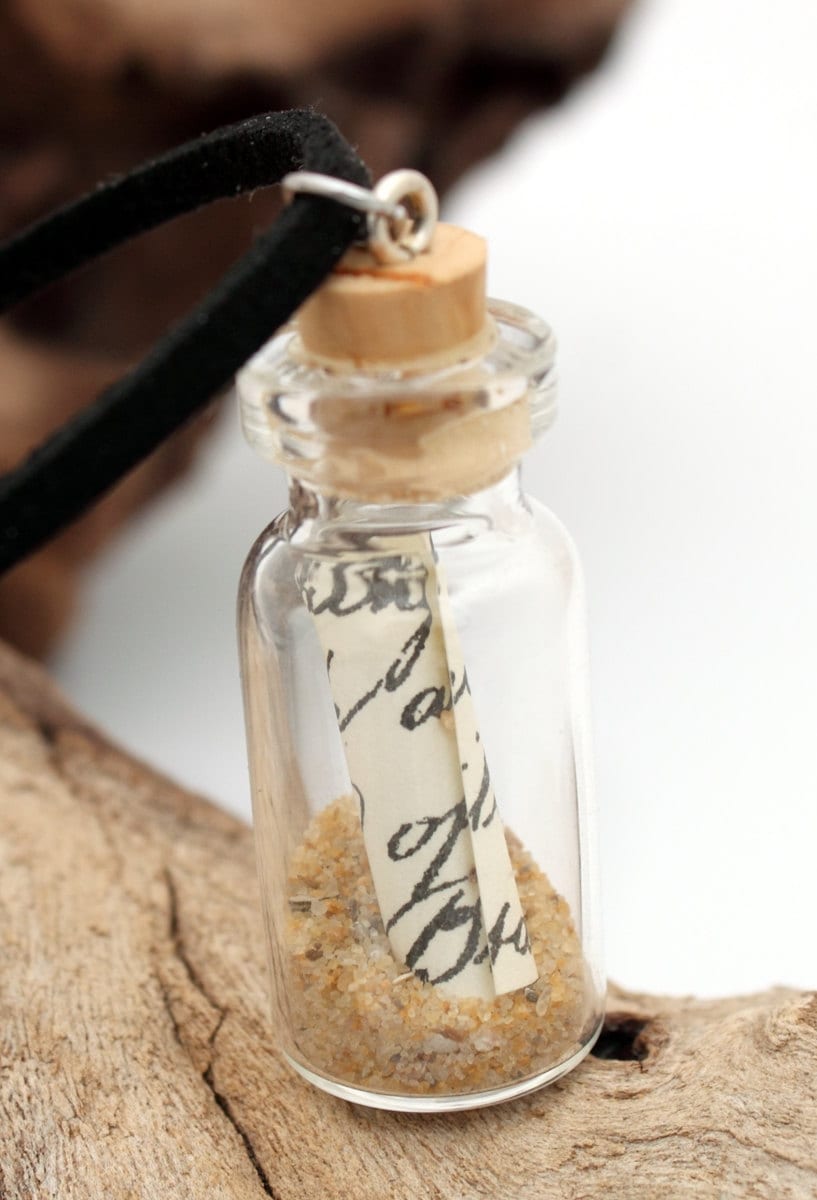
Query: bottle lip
279,389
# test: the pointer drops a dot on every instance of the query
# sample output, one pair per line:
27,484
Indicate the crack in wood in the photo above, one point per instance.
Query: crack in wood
224,1104
180,951
168,1004
207,1076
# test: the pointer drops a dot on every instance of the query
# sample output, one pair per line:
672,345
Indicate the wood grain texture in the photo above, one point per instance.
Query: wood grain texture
136,1058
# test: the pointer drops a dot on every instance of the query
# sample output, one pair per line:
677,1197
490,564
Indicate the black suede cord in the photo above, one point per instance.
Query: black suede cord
200,355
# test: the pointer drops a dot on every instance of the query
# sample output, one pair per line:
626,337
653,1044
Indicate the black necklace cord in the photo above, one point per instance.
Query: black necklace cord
199,356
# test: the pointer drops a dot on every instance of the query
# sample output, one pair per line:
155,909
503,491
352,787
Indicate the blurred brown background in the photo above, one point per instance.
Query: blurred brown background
91,87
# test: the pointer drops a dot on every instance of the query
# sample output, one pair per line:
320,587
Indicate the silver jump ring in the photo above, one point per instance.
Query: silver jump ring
363,199
401,209
393,241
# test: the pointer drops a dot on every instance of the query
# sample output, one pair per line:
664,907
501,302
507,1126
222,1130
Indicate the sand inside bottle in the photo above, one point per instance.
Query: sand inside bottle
361,1017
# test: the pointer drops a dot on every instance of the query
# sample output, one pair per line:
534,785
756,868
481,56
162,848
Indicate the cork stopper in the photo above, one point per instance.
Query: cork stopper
422,310
395,441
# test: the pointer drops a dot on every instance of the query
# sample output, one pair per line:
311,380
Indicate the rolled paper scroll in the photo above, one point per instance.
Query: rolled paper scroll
431,825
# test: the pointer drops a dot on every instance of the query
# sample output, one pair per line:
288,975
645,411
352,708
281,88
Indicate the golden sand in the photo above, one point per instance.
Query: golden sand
363,1018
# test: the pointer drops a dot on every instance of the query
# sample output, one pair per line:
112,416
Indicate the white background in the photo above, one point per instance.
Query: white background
663,220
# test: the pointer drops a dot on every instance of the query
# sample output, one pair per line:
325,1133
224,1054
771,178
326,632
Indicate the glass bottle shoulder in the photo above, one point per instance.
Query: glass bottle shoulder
504,544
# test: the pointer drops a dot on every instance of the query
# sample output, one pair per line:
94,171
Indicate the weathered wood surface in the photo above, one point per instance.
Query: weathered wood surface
136,1058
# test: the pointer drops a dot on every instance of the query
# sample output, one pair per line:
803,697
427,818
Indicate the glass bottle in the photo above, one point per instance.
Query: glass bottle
414,663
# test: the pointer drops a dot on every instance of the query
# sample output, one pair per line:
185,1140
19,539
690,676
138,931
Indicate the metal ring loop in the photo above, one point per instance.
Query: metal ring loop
401,209
393,240
360,198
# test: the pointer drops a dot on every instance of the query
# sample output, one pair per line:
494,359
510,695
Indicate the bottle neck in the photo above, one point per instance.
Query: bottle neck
409,437
494,506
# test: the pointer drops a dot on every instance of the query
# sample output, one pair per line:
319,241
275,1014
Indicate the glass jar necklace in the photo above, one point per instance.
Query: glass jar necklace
414,661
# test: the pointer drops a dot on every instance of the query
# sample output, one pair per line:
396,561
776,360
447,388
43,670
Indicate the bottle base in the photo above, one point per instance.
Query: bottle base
395,1102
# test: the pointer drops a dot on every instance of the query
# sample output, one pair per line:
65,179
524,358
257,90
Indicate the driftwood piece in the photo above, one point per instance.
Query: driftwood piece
137,1060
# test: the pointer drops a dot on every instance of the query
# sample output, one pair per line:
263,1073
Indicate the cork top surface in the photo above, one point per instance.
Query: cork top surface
367,313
